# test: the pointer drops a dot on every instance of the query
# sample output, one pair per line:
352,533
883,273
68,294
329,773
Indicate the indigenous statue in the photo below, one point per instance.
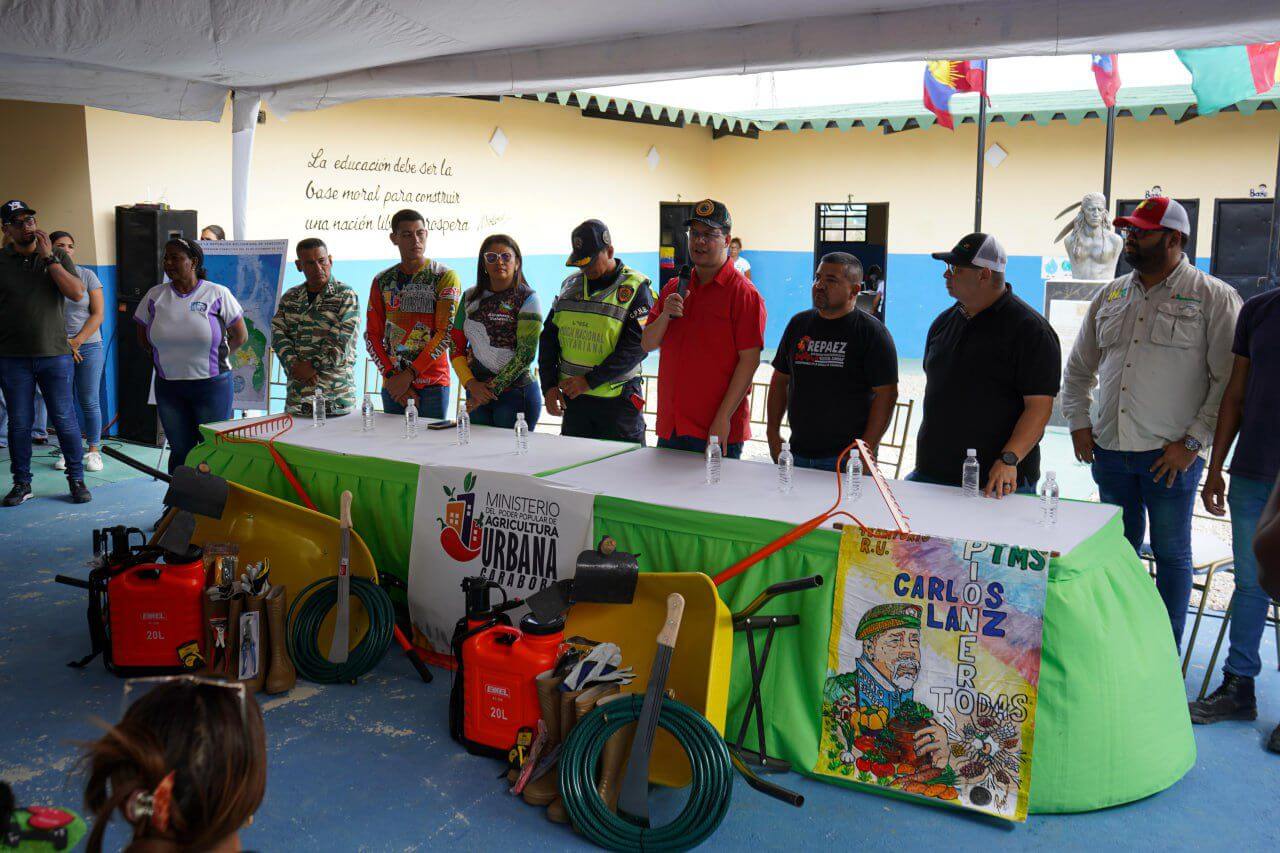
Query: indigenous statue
1092,243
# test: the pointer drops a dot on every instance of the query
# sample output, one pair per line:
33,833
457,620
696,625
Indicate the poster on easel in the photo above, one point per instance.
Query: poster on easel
932,669
253,270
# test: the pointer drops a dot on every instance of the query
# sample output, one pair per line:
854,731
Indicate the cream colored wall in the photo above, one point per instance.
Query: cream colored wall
560,168
927,176
186,164
46,165
557,170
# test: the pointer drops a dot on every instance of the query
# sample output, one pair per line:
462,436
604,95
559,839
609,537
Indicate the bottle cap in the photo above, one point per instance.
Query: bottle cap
971,452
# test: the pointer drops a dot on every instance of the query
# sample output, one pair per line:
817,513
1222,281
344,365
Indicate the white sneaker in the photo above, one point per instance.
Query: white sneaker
92,460
60,464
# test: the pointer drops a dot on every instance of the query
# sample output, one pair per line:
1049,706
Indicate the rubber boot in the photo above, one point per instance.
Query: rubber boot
281,676
556,812
612,760
257,604
215,636
541,791
235,607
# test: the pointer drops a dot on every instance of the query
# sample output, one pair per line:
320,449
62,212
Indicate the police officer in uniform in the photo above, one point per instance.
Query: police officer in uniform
590,354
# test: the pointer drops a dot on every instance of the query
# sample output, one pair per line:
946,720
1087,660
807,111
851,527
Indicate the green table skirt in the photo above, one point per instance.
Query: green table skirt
1111,721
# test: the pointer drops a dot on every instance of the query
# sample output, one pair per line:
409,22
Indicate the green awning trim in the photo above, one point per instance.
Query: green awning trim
1073,107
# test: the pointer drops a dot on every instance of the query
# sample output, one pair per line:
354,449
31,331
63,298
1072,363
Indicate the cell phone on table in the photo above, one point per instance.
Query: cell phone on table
442,425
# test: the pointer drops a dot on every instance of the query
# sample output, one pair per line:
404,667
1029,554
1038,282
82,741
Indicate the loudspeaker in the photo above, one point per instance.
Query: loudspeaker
141,233
138,419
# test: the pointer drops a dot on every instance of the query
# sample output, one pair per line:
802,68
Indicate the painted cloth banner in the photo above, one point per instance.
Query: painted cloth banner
253,270
932,669
517,531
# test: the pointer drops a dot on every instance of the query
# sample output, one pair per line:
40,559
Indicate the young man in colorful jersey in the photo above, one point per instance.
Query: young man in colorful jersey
590,348
314,335
411,308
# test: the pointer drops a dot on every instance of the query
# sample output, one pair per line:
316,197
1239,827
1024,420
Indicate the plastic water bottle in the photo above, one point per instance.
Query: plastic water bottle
1049,500
969,480
366,414
522,434
317,408
411,419
786,464
464,425
713,461
853,477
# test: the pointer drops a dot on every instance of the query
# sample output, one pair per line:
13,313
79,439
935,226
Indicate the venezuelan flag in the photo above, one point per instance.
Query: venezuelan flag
946,77
1222,76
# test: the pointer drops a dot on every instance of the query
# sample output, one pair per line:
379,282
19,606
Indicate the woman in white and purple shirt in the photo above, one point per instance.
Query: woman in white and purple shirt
190,326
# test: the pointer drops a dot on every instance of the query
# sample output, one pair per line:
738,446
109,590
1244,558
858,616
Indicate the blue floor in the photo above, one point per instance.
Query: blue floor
371,767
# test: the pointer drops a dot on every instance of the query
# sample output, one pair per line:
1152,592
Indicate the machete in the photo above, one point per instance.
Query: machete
633,801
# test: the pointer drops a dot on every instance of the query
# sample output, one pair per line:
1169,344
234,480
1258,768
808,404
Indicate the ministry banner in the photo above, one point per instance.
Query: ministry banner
253,270
520,532
932,669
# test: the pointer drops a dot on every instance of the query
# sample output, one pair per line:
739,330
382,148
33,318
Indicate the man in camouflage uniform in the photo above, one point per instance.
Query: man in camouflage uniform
313,334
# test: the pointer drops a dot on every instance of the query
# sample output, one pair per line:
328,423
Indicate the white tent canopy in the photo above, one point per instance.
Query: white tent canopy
181,58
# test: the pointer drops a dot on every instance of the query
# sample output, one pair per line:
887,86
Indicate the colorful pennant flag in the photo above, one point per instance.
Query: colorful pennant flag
1106,71
1222,76
944,78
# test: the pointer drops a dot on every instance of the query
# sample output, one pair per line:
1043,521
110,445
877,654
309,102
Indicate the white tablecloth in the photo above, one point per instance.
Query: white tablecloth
677,479
491,449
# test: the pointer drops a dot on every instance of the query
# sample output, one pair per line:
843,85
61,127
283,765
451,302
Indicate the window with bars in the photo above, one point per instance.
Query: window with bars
842,223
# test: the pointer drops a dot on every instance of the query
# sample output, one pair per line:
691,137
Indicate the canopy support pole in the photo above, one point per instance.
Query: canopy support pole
1273,253
982,145
1110,151
244,121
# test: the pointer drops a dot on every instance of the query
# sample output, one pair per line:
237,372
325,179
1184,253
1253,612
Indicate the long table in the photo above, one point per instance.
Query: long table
1112,723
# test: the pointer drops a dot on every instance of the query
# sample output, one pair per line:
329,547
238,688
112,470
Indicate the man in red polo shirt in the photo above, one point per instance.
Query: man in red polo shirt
711,339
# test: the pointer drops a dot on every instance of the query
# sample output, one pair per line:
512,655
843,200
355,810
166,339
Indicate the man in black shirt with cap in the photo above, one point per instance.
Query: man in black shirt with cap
992,367
589,353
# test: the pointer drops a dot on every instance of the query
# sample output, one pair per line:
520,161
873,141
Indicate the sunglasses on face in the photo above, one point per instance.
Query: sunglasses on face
704,236
1138,233
952,269
23,222
494,257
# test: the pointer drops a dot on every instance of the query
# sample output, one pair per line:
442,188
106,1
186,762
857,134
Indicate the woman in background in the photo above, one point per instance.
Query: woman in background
190,326
213,232
740,263
84,334
186,768
495,337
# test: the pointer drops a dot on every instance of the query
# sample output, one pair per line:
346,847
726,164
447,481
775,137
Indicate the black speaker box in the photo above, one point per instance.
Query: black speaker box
141,233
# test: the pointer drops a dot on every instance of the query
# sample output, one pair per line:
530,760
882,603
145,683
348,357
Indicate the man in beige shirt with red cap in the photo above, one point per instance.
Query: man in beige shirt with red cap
1158,343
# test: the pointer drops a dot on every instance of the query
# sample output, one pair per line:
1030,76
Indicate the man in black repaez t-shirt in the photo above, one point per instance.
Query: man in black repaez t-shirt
835,374
992,367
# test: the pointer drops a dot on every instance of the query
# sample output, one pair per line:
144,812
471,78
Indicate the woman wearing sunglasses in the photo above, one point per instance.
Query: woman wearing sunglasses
495,338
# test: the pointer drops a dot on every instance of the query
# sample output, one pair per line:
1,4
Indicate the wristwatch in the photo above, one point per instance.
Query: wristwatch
1192,444
1009,458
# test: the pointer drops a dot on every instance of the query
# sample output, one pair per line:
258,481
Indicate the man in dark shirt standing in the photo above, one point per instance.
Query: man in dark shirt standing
835,373
35,279
589,353
1250,407
992,367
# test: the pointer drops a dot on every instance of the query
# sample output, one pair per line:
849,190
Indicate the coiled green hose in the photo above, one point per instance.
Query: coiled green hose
307,614
709,792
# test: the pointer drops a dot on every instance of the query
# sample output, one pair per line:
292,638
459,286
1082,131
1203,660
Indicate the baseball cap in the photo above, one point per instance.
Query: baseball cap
713,213
976,250
589,239
12,208
1157,212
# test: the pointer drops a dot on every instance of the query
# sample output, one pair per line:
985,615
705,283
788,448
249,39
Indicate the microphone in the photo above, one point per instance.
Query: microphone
682,282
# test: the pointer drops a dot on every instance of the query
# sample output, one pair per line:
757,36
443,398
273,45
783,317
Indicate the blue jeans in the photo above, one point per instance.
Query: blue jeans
1249,612
433,402
40,423
820,463
184,404
19,378
502,411
699,445
1124,478
1026,487
87,384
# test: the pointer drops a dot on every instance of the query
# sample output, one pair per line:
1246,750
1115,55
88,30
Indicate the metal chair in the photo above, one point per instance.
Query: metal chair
895,438
1274,619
